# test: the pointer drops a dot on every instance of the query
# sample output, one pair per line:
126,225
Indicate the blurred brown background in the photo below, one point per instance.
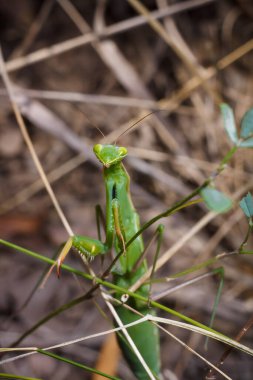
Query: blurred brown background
76,64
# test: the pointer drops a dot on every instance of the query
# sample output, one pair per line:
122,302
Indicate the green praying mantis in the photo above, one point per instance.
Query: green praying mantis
122,223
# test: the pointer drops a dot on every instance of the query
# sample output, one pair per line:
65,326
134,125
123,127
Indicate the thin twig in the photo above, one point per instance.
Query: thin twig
29,143
120,27
161,31
78,97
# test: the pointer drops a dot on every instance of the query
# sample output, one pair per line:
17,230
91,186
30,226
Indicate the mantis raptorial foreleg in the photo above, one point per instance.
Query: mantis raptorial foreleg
160,231
100,217
119,229
158,234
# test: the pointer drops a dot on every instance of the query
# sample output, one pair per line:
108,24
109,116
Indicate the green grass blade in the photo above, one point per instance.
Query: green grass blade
219,271
12,376
76,364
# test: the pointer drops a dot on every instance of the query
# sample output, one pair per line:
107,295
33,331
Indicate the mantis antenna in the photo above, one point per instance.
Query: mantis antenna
137,122
93,125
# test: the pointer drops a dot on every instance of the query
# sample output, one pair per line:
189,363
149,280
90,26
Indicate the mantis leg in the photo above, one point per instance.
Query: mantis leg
158,236
220,272
99,218
84,245
118,224
159,233
90,247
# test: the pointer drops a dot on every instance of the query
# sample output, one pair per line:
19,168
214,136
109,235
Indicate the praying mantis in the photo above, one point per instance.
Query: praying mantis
122,227
122,223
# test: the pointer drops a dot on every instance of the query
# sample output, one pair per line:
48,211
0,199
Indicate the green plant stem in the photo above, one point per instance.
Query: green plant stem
12,376
45,259
194,268
245,240
76,364
226,159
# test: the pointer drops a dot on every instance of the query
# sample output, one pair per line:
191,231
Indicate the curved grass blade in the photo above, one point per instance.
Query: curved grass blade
12,376
76,364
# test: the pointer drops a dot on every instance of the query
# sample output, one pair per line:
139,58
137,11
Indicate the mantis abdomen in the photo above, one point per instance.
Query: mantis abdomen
144,335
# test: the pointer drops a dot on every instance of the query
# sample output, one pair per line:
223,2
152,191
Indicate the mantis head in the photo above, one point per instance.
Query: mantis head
109,154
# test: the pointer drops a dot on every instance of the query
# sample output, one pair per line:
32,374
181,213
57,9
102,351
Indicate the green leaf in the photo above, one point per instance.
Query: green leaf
247,143
246,205
229,122
247,125
216,200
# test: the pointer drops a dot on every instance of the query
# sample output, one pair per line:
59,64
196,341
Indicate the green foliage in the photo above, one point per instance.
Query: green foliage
215,200
247,124
246,132
229,122
246,205
247,143
245,140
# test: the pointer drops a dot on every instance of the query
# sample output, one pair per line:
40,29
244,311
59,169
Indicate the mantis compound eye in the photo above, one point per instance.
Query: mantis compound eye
122,151
97,148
